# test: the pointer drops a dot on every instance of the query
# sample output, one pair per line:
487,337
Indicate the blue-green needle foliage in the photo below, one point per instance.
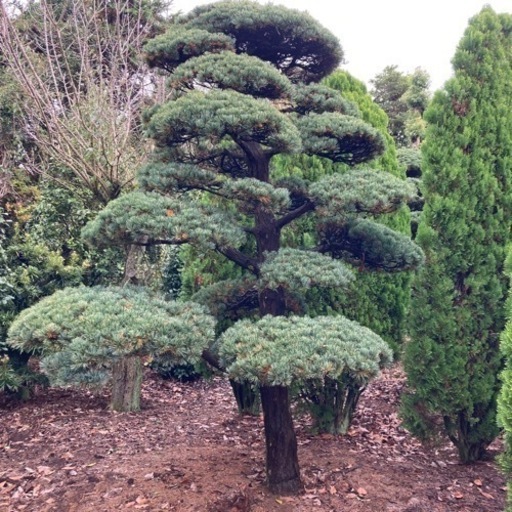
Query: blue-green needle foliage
293,41
453,360
169,178
80,332
228,70
299,270
359,191
339,137
363,242
266,351
233,110
140,217
318,98
218,117
178,44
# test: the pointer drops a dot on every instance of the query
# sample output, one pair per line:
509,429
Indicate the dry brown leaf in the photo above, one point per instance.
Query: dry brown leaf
362,492
458,495
332,490
6,487
478,482
45,470
486,494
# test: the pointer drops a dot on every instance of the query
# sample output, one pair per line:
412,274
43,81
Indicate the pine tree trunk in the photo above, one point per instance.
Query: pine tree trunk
133,265
346,402
246,397
282,462
126,384
283,475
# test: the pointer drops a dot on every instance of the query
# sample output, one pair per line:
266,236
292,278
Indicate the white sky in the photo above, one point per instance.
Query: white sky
378,33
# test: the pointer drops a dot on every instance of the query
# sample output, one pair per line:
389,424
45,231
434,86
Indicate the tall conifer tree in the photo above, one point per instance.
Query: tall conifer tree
453,360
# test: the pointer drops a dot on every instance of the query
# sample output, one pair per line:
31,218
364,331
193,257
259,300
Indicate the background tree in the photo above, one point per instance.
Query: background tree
409,159
453,360
29,268
389,87
82,88
404,98
505,397
256,67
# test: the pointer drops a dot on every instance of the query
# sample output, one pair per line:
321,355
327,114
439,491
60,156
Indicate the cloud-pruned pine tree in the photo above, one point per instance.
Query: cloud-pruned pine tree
234,108
453,360
90,336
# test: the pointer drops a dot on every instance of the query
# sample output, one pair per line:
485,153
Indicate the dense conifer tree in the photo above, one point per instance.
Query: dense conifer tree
453,360
505,397
244,78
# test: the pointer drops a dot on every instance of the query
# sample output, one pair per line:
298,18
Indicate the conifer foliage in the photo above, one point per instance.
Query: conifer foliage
505,397
453,360
83,335
244,79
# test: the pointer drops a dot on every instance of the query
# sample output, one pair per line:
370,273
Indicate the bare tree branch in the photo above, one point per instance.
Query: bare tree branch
84,88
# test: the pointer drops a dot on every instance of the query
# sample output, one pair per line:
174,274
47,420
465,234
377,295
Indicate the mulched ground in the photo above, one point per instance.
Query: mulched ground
189,450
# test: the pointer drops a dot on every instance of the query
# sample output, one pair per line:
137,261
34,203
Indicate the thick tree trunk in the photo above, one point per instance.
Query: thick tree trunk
126,384
283,475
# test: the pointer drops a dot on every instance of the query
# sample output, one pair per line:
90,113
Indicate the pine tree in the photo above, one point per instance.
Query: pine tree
404,98
88,335
453,360
244,82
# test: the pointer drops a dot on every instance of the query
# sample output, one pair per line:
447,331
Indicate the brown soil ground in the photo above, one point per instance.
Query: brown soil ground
189,450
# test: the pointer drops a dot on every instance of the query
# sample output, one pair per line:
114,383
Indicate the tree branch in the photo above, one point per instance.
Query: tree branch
175,241
240,259
212,360
308,206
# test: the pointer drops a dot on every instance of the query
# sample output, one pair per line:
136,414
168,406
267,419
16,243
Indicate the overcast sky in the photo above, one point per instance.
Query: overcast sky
378,33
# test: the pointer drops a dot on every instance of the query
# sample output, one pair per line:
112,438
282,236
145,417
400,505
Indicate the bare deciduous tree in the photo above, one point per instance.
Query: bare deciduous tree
84,87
